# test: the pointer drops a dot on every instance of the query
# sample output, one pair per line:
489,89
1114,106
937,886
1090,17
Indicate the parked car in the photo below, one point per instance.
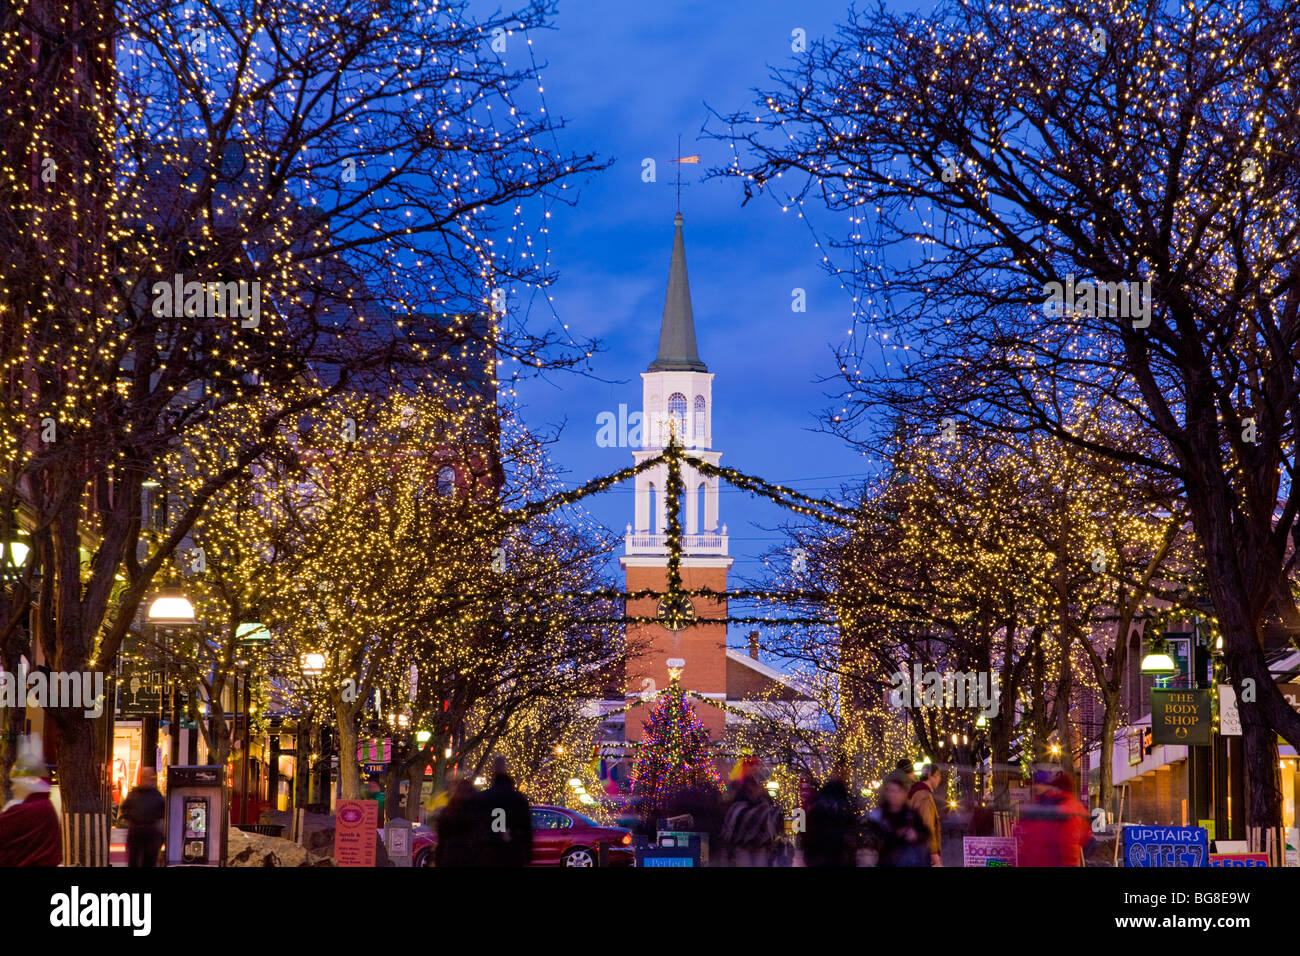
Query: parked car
561,837
423,841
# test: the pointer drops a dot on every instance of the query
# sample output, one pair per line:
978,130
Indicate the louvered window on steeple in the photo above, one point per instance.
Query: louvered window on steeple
698,433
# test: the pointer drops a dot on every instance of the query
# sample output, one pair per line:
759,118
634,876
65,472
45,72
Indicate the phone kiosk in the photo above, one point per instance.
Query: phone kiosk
196,816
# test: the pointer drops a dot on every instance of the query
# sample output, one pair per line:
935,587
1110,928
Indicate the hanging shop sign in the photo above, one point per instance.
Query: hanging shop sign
1181,717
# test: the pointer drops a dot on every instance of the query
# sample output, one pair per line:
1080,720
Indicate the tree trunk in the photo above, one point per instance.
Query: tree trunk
302,764
414,784
85,809
1109,724
349,767
12,719
1000,743
1257,695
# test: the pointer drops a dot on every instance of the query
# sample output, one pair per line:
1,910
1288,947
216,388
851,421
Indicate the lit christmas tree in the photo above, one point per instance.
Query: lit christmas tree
674,754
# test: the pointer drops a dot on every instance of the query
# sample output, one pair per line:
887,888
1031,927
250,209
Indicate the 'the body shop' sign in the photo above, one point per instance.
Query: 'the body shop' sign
1181,717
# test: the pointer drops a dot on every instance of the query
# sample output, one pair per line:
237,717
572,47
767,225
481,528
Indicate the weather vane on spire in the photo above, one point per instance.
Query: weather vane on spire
681,159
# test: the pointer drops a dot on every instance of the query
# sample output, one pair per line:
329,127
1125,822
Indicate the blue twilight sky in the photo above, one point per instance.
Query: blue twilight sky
628,78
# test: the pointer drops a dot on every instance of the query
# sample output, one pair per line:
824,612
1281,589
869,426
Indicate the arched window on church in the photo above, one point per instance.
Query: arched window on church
698,433
652,520
677,412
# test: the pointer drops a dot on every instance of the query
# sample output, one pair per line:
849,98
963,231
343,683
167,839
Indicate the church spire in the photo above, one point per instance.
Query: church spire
677,348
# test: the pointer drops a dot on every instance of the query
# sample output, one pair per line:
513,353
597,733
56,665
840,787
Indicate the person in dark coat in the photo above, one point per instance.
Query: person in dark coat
833,817
900,835
506,821
29,825
458,828
703,803
143,810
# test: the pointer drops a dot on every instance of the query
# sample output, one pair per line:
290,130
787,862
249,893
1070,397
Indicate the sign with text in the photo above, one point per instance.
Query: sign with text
356,825
1238,859
139,693
1230,716
1182,717
1165,846
1135,746
988,851
397,841
1179,646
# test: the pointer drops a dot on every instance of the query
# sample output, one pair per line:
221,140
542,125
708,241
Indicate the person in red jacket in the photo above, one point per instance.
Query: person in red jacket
1076,830
29,825
1053,829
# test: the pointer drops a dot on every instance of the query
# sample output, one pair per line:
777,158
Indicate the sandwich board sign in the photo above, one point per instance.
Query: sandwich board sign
1165,846
988,851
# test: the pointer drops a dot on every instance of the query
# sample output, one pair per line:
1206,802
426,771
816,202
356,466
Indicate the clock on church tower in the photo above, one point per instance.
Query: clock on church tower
677,398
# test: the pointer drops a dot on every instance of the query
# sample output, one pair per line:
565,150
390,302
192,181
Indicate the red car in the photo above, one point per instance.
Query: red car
566,838
560,838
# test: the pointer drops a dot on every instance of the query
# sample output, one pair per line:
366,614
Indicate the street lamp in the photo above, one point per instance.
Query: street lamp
1157,662
170,608
313,664
13,556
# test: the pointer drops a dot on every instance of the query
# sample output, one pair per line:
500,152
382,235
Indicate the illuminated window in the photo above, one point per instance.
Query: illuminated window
677,412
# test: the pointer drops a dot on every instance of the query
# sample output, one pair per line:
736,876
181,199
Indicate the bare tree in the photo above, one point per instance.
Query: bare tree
1143,158
232,203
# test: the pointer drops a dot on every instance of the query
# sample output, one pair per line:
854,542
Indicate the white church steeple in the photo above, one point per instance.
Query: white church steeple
677,396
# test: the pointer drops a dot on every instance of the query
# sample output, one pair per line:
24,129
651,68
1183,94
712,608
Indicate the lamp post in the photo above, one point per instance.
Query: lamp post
399,727
312,664
247,636
169,610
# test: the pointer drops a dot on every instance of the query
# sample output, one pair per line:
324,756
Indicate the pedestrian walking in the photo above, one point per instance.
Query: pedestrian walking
29,824
375,792
749,831
833,824
703,804
1076,826
506,820
906,768
143,811
921,799
1053,828
458,828
900,835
